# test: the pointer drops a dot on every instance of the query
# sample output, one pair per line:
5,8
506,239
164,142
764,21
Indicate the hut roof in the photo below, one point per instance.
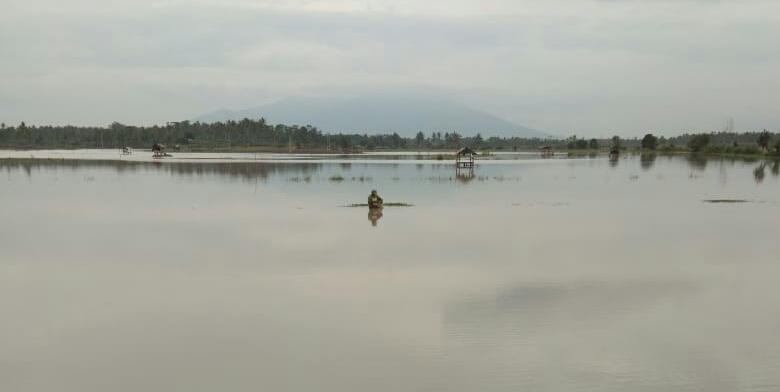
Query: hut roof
466,151
158,147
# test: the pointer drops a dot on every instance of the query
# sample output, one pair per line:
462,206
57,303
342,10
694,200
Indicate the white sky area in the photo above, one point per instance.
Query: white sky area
584,67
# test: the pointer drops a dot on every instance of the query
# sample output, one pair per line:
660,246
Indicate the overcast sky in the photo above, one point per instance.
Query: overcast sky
591,68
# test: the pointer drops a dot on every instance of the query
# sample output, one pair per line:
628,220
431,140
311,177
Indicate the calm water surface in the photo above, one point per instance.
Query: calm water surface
245,273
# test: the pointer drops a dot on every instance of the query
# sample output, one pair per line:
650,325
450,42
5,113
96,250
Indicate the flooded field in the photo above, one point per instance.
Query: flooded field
246,272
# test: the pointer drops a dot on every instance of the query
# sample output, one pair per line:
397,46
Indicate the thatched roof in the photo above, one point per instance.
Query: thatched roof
466,151
158,147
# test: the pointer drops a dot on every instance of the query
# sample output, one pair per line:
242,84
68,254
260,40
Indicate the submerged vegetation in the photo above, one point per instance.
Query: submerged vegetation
383,205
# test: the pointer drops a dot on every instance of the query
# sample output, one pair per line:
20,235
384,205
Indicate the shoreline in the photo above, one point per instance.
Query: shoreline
436,154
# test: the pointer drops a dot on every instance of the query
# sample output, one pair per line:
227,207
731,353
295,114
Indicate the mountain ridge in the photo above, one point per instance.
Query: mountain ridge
403,115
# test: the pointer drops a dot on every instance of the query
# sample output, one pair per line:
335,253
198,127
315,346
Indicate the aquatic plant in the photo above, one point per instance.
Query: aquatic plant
383,205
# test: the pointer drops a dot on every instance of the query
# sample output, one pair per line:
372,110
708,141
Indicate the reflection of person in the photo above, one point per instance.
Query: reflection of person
374,201
374,215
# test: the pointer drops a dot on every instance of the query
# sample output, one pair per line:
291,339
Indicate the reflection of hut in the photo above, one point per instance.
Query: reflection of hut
464,158
465,176
614,152
546,151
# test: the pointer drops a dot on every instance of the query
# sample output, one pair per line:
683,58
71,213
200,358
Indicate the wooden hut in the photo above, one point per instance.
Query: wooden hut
158,151
545,151
464,158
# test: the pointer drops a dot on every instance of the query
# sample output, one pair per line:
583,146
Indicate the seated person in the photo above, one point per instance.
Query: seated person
374,200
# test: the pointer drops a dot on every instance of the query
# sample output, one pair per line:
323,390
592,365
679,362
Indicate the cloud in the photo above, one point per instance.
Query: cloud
560,65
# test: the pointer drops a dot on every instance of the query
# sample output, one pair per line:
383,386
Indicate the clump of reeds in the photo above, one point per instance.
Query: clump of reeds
383,205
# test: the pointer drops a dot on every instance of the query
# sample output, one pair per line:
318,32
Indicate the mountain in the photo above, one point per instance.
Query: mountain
403,115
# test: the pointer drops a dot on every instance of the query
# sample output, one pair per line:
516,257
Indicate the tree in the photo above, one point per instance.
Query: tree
420,138
698,142
344,141
581,144
594,144
763,140
649,142
478,140
616,141
2,125
777,147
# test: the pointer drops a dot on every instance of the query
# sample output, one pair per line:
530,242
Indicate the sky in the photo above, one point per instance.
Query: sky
592,68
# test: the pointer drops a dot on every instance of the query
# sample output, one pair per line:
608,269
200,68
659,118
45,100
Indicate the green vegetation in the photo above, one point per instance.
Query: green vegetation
577,144
616,142
726,201
649,142
337,178
244,135
698,142
763,140
383,205
250,135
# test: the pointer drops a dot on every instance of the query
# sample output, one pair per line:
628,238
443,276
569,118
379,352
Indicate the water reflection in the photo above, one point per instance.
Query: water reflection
243,170
256,287
697,162
525,308
759,172
647,161
613,160
374,214
465,175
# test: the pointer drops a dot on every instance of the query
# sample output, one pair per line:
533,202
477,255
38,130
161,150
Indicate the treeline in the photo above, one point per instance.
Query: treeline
232,133
249,133
245,133
747,143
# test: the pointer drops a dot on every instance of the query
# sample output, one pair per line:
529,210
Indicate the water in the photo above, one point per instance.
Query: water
245,273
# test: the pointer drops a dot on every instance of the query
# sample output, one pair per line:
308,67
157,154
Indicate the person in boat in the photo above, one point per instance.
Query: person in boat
374,201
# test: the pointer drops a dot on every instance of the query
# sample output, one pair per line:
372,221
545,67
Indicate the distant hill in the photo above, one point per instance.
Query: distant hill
406,116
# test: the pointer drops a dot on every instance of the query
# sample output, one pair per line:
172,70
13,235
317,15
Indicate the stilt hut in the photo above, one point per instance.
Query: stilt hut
545,151
464,158
464,164
158,151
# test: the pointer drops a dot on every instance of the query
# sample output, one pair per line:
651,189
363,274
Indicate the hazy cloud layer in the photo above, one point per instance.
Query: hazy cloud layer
565,66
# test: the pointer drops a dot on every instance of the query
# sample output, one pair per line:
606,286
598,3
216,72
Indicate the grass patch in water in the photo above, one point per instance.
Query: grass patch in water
714,201
337,178
383,205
